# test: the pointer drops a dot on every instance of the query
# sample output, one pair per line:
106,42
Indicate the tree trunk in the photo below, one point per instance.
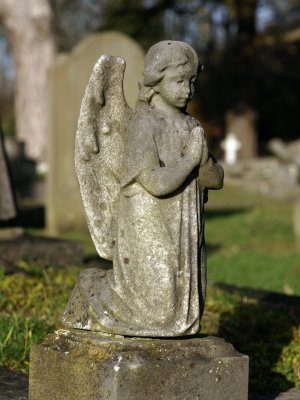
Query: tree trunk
28,24
244,57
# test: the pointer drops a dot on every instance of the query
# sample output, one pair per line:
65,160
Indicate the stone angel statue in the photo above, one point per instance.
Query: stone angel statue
143,177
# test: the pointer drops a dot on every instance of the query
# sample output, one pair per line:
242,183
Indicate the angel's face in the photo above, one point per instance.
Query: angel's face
177,87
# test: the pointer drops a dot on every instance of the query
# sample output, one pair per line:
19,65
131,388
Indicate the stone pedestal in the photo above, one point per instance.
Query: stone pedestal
89,366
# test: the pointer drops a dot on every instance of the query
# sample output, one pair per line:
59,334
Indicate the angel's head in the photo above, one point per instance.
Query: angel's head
170,71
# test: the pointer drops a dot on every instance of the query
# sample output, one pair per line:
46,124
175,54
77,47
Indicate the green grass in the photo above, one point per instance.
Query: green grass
250,243
254,247
16,337
270,336
31,304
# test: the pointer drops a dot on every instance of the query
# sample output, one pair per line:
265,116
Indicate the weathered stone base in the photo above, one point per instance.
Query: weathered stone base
85,365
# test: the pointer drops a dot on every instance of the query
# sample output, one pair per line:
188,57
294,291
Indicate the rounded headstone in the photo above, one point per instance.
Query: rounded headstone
67,81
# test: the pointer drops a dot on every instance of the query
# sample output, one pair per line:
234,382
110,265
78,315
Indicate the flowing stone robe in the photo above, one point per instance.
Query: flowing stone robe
157,285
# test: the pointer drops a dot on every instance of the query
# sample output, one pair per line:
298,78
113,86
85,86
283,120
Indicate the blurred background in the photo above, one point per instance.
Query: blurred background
250,50
248,100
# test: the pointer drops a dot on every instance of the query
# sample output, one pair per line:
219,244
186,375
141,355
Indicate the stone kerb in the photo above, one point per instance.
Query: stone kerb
67,81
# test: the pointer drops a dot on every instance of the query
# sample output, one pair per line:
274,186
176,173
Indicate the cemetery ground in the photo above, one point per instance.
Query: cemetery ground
250,244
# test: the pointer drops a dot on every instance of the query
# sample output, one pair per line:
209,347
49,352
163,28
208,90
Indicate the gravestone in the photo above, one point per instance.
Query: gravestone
278,174
287,152
8,208
15,245
241,122
67,82
296,222
7,202
23,169
289,156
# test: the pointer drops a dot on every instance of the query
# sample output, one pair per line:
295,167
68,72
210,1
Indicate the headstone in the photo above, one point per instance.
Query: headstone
296,222
241,122
280,150
23,169
231,145
288,156
264,175
288,152
8,208
14,244
294,150
87,365
67,82
7,202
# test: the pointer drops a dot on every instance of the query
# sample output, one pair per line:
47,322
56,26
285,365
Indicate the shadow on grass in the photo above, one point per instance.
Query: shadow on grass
224,212
211,248
261,332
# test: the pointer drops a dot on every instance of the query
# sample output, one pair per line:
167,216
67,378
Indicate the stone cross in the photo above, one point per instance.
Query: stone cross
231,146
241,121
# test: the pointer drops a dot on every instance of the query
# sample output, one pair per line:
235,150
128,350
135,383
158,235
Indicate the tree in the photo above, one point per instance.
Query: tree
28,25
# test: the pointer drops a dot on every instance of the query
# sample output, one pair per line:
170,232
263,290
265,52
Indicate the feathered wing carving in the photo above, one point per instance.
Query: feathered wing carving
104,115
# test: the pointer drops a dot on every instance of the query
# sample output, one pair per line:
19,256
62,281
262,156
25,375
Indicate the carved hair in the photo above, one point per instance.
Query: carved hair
159,58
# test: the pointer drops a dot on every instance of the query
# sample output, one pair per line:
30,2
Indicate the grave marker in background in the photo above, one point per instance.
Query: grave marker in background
67,81
231,145
297,222
241,122
7,202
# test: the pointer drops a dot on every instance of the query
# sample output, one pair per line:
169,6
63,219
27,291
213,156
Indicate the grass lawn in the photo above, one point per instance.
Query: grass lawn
250,243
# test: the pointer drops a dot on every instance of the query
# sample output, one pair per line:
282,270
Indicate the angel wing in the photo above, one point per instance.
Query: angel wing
104,114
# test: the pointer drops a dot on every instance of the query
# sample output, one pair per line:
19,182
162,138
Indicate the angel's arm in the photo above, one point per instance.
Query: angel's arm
211,174
160,181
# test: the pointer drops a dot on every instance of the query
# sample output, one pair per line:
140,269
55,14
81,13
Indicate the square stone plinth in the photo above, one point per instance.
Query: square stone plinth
81,365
